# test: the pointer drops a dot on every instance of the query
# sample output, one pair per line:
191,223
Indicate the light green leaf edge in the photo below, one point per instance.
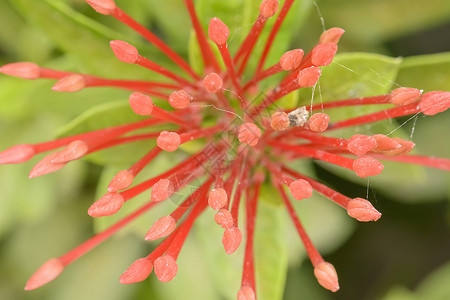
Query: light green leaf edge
271,254
105,116
427,72
420,181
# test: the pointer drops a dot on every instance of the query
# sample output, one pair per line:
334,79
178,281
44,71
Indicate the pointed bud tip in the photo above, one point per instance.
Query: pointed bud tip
323,54
141,104
104,7
46,273
45,166
300,189
362,210
218,32
385,143
249,134
212,82
404,96
162,190
407,147
218,198
308,77
231,239
319,122
121,181
404,148
269,8
179,99
17,154
71,84
332,35
137,272
124,51
434,102
326,276
168,141
365,166
107,205
24,70
360,144
291,60
73,151
246,293
161,228
165,268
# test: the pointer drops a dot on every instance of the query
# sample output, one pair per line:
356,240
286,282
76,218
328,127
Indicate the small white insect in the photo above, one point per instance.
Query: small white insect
298,117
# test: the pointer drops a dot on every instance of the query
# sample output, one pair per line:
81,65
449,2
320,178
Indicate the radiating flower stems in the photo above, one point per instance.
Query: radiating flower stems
238,148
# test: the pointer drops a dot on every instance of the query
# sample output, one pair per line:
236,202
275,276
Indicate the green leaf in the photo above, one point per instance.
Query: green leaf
35,199
15,38
174,26
230,12
400,293
271,254
11,88
110,260
353,75
435,285
85,39
420,183
290,101
427,72
101,116
372,22
24,200
431,185
225,271
194,54
69,35
206,10
267,193
80,19
193,280
9,19
36,97
104,116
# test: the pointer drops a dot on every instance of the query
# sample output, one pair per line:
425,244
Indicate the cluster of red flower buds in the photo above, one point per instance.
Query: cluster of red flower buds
236,160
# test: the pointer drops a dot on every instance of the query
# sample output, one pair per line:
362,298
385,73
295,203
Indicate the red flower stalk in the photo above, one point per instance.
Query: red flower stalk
232,161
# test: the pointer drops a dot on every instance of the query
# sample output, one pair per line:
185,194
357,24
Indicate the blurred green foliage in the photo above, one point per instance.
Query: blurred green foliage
45,217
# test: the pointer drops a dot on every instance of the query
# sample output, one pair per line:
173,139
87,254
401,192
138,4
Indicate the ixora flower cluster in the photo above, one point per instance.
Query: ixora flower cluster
235,159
